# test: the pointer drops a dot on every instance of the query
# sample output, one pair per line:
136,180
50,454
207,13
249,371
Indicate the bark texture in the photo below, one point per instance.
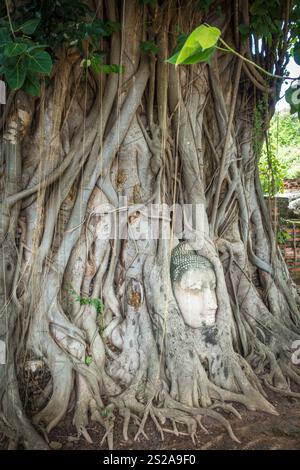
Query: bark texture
154,134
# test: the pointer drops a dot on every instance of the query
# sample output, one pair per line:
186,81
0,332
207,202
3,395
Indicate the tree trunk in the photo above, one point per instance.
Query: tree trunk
191,321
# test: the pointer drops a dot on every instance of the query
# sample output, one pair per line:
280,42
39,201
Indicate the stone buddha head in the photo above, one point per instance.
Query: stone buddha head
194,284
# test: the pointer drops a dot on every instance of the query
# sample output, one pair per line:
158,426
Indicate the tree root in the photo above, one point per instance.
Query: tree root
287,393
175,412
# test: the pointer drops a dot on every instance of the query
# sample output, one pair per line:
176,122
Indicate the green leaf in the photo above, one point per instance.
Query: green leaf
200,56
104,412
296,53
196,58
244,29
2,60
40,61
204,36
114,25
32,85
88,360
13,49
39,47
4,36
29,26
173,58
85,63
204,5
15,75
114,68
96,61
149,47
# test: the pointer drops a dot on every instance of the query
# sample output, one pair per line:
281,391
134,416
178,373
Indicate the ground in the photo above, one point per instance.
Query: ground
256,431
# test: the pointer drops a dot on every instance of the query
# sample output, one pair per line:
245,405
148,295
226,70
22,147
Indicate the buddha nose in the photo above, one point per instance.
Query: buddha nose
210,299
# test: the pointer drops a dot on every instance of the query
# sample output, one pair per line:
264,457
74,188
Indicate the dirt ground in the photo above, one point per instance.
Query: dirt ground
255,431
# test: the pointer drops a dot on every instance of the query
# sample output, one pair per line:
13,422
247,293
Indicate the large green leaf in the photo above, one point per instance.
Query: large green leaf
208,36
202,38
15,75
32,85
196,58
2,62
39,61
244,29
13,49
201,56
29,26
173,58
4,36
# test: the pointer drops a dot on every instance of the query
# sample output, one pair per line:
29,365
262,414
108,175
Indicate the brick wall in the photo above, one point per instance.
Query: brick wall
292,184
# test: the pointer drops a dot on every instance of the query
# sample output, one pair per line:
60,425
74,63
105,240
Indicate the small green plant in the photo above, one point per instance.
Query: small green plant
104,412
149,47
95,302
280,154
282,237
272,168
272,172
95,62
88,360
284,133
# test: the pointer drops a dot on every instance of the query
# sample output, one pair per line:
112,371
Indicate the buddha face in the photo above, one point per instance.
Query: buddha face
194,285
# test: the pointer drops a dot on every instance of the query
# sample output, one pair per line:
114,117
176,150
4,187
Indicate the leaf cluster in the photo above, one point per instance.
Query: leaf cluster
32,32
22,61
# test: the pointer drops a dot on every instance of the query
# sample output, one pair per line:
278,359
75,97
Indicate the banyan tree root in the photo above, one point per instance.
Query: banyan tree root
126,323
